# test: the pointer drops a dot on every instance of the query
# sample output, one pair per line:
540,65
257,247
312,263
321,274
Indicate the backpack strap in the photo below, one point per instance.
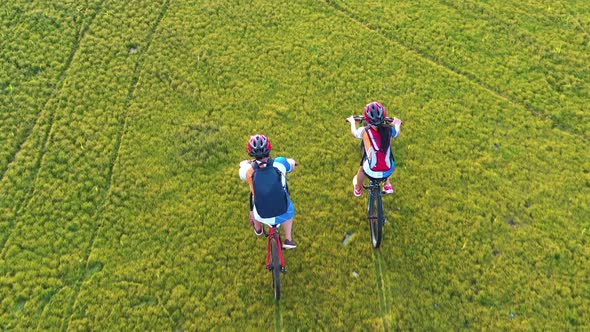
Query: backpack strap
369,140
372,139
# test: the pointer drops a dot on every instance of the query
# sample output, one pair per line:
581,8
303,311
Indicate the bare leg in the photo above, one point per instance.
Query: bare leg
360,178
288,225
256,223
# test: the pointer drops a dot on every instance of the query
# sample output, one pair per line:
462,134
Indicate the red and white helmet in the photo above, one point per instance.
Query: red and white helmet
374,113
259,146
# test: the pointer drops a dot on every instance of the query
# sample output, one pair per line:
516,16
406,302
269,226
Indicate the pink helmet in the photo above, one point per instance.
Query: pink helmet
259,146
374,113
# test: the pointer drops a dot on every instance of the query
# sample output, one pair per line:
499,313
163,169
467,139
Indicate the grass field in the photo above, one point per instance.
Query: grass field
122,124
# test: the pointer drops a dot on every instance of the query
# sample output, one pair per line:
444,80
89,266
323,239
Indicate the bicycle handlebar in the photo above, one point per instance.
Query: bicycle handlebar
254,160
360,118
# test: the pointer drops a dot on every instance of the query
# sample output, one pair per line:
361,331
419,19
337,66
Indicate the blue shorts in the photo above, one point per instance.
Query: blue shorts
288,215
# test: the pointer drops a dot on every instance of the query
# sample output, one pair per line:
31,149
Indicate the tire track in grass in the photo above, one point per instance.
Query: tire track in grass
49,301
277,317
59,85
48,131
383,302
463,74
114,159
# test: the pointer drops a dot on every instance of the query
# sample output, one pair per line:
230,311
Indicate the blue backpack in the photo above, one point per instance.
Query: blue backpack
270,198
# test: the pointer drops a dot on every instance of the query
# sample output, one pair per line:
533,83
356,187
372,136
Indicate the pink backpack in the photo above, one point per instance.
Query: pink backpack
379,161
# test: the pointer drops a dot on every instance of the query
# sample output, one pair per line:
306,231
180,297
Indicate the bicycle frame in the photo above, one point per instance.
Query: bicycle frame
374,183
275,262
274,233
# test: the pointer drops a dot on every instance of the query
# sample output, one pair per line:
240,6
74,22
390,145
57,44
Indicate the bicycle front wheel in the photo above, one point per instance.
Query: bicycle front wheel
375,214
275,268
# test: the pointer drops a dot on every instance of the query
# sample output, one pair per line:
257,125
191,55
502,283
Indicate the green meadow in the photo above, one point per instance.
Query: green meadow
122,125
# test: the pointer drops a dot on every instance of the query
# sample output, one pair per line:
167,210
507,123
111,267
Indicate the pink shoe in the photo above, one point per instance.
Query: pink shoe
359,191
388,189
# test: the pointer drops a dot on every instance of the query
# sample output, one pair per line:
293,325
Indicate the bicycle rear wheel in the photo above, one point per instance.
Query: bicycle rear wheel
375,214
275,268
